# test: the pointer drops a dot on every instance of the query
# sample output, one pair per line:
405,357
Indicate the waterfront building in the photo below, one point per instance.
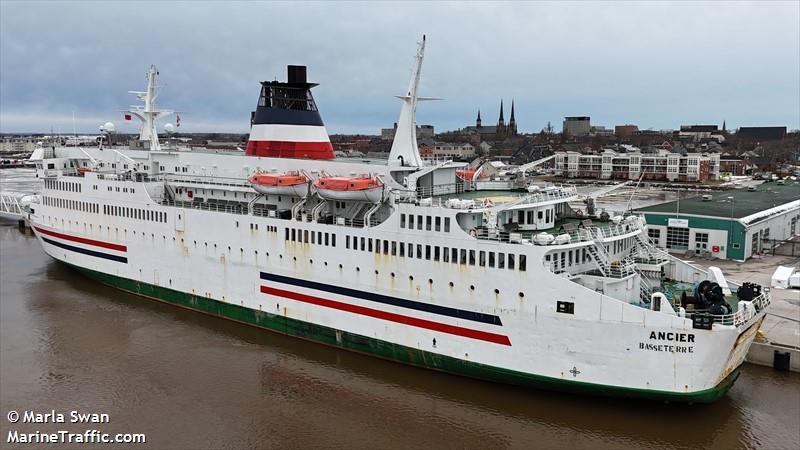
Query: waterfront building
577,125
631,164
729,225
423,131
761,134
624,131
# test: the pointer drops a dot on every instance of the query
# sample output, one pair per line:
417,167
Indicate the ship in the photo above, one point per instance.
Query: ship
402,259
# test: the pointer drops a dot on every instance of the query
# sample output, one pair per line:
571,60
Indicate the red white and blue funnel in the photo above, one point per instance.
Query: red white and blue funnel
286,123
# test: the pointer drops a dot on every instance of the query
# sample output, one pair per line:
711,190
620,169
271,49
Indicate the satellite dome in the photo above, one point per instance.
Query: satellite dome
169,128
109,127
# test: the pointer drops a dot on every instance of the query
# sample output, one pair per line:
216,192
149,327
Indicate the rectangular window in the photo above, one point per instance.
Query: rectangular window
402,249
501,260
385,247
565,307
445,254
677,238
472,257
402,220
294,234
491,259
411,221
287,234
454,255
333,240
438,224
436,253
511,261
482,258
410,250
394,248
305,236
428,252
654,235
313,237
463,254
347,241
326,239
446,224
427,223
523,263
419,221
419,251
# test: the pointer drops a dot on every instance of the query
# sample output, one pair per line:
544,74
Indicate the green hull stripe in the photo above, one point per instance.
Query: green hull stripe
394,352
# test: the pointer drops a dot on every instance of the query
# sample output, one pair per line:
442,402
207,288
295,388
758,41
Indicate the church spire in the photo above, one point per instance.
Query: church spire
501,122
478,120
723,126
512,122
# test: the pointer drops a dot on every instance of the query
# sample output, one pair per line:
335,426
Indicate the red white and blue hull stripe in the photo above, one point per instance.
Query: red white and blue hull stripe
85,246
380,300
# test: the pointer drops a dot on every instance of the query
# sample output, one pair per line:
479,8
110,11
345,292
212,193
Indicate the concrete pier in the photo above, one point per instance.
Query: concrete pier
779,337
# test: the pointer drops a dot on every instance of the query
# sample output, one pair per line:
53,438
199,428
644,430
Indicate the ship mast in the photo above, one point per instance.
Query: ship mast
404,146
148,113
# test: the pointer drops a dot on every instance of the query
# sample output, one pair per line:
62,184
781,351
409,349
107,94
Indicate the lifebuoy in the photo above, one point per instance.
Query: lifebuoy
473,233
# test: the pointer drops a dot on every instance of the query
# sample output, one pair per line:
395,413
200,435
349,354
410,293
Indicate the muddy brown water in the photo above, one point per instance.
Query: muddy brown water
192,381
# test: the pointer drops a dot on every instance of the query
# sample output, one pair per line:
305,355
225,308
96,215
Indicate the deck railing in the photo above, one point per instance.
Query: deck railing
740,317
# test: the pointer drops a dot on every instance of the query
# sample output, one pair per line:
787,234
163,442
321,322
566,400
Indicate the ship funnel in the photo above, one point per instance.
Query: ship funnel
296,74
286,122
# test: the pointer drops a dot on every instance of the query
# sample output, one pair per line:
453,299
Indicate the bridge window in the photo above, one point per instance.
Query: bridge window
402,220
446,224
501,260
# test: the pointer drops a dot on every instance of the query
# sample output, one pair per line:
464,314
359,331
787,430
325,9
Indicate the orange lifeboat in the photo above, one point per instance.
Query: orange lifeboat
465,174
358,189
289,183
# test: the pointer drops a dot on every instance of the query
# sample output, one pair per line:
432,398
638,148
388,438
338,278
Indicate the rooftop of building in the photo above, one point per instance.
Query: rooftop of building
744,203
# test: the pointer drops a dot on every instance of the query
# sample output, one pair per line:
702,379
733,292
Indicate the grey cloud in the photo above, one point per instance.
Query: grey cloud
654,64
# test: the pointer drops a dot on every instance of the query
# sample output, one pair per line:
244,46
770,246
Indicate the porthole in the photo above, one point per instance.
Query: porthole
451,284
326,263
340,266
392,274
497,291
311,261
294,258
471,287
430,280
376,271
521,294
411,277
358,269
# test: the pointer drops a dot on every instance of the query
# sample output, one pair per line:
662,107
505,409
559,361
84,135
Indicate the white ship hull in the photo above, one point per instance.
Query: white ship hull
485,322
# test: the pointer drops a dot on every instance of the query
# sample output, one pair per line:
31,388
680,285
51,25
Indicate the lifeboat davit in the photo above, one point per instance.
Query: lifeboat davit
357,189
291,183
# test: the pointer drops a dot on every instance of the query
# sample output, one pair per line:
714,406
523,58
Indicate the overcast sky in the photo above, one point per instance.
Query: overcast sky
657,65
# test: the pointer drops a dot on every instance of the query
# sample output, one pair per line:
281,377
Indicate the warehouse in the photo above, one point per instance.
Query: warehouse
732,224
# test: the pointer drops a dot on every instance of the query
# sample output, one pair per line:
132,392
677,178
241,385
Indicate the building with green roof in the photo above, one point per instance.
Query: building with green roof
733,224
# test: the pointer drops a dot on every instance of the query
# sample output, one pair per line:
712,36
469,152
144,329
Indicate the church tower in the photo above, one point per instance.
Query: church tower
501,123
512,122
478,120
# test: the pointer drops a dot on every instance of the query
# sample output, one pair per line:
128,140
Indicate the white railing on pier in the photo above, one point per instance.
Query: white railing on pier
10,205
